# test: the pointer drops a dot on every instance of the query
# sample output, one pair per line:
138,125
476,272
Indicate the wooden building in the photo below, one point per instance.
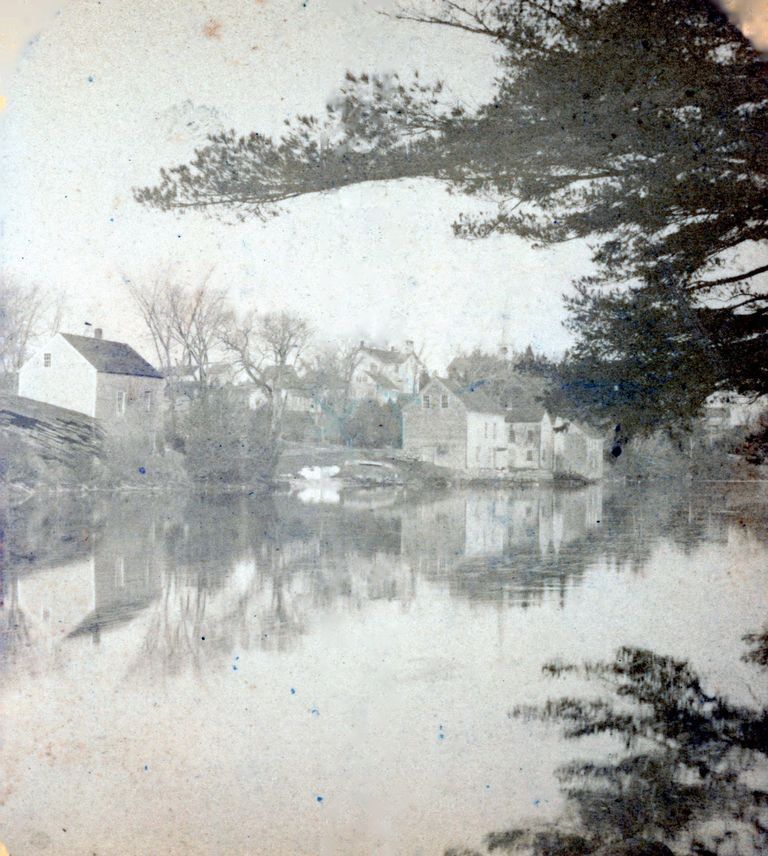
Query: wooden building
456,426
103,379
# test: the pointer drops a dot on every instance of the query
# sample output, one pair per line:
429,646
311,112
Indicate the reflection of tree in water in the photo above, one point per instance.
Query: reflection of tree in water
15,639
250,572
245,573
683,787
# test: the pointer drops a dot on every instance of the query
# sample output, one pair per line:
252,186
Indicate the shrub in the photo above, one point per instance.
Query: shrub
374,425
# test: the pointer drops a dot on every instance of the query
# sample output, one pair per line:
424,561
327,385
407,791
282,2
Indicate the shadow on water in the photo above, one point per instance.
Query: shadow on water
686,783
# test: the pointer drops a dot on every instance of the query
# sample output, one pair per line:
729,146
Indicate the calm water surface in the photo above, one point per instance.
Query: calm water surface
338,674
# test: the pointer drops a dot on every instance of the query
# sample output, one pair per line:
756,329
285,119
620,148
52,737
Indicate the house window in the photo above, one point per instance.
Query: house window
485,426
120,402
477,454
426,402
47,360
443,400
148,400
512,435
529,455
494,430
530,436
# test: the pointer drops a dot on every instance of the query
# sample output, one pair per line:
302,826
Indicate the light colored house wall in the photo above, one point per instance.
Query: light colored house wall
486,441
437,435
577,453
546,444
69,381
408,374
530,445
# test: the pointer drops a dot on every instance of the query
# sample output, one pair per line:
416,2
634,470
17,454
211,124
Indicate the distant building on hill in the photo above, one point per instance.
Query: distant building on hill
386,375
100,378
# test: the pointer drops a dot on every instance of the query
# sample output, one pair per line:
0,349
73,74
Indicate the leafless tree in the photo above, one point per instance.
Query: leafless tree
27,312
267,348
152,299
335,366
197,317
184,323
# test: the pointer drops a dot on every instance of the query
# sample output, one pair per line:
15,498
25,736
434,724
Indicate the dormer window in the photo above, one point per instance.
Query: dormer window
443,400
426,402
47,360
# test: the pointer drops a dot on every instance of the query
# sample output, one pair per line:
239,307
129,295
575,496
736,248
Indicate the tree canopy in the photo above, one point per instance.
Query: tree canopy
639,125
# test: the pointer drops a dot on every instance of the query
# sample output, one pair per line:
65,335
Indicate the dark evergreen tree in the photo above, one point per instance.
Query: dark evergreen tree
639,124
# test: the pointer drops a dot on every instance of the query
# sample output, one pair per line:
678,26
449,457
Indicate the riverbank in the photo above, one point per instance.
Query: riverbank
379,467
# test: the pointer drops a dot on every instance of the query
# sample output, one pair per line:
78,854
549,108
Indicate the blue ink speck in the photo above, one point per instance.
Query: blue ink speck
90,78
315,712
146,768
293,690
440,733
537,802
142,470
234,665
319,799
487,787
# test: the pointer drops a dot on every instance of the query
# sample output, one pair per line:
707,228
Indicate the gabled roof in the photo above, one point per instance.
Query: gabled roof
472,396
382,380
588,431
111,357
525,410
392,356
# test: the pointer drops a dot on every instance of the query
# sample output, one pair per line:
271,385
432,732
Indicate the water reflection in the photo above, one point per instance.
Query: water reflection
252,571
687,782
411,622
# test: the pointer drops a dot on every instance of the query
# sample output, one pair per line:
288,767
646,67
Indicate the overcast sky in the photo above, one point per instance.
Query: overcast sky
99,94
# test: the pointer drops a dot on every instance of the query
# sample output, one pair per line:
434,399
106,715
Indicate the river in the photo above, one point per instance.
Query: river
362,672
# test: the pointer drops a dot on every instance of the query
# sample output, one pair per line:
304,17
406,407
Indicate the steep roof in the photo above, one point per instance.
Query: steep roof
472,396
392,356
562,424
382,380
111,357
525,409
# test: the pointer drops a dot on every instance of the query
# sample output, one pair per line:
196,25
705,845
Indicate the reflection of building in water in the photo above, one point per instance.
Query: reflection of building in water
47,605
250,574
497,532
126,571
87,571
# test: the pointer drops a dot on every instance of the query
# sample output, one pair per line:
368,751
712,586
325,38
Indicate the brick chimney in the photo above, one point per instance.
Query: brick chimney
98,333
409,344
